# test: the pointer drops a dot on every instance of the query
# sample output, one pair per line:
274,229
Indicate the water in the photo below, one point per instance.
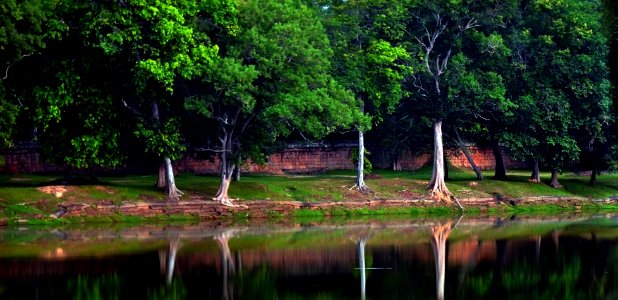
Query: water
462,258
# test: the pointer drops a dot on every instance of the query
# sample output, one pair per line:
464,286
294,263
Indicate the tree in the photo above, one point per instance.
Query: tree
161,42
368,61
25,29
74,111
560,87
436,31
273,78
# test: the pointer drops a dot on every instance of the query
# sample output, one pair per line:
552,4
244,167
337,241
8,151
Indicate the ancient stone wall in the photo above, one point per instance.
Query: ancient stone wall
25,158
483,158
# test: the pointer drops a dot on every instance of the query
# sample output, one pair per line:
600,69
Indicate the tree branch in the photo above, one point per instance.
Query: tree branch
6,72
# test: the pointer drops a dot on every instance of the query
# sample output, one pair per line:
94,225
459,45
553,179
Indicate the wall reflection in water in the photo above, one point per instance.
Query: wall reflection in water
439,259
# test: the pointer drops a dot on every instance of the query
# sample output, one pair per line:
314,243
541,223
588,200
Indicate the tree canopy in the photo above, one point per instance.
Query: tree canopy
530,77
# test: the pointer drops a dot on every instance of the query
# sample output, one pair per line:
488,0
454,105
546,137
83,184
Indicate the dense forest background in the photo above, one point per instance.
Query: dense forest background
98,84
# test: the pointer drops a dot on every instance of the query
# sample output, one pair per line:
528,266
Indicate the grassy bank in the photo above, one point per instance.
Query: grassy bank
34,196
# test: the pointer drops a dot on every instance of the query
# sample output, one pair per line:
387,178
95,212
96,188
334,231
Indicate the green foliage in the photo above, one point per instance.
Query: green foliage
26,27
163,141
560,88
7,123
369,60
162,44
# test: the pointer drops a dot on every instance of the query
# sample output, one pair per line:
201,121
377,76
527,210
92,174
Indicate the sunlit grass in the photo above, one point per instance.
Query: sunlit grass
330,186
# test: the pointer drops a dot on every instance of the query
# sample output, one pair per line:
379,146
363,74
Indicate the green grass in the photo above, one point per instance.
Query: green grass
21,195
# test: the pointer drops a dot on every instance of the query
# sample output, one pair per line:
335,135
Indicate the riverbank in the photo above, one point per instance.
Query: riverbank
47,199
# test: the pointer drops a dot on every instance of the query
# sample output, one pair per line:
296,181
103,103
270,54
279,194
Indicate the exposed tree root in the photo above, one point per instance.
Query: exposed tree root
362,188
446,196
458,204
174,194
226,201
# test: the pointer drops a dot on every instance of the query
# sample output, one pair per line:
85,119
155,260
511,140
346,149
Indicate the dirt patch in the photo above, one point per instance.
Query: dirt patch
408,194
56,190
103,189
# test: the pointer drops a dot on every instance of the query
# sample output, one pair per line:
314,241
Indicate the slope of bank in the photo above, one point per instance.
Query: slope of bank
48,199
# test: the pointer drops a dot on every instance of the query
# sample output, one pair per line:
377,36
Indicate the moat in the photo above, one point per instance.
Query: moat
568,256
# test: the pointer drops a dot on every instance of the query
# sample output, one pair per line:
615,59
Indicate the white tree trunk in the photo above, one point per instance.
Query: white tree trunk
222,194
227,168
439,236
362,269
360,169
396,164
173,193
436,184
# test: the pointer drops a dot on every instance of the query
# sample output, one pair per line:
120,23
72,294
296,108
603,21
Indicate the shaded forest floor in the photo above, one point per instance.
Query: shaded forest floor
41,195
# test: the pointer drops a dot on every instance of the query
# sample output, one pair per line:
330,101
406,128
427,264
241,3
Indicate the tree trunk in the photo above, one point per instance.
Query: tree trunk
237,169
227,167
173,193
445,167
396,163
464,149
594,172
436,184
593,177
161,177
500,170
536,176
360,169
554,179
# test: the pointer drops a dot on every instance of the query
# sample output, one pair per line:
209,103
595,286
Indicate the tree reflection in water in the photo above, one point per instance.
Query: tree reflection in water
167,259
361,259
227,261
439,235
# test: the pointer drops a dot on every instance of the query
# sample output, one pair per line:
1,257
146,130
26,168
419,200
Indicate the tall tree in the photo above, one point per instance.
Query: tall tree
436,30
161,42
368,61
273,78
26,27
561,85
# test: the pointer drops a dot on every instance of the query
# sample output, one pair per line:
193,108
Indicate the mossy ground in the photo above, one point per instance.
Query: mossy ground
26,196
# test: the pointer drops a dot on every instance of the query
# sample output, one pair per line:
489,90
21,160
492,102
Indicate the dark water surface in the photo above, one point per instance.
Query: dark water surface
573,257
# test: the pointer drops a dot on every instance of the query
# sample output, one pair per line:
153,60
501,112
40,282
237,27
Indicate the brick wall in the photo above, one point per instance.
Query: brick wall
483,158
294,159
25,158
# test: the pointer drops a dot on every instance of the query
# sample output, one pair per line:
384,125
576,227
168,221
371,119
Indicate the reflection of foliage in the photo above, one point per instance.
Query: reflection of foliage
520,277
94,288
562,283
260,284
175,290
481,285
